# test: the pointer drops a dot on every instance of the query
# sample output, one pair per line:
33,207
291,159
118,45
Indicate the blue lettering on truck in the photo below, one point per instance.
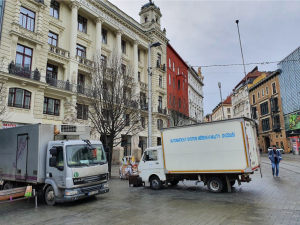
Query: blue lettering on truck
203,137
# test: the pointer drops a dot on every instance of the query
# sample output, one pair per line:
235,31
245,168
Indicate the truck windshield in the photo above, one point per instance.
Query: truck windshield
84,155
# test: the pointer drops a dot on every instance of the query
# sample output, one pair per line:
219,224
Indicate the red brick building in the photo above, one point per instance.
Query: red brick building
177,84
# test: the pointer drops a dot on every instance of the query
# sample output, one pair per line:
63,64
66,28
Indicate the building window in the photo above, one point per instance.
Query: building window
173,82
274,104
160,102
103,60
274,88
23,57
160,81
178,71
170,99
123,69
27,19
183,85
160,124
82,112
258,95
51,75
276,122
143,122
159,138
139,76
264,108
170,64
253,99
54,9
139,55
52,38
127,120
228,110
146,19
173,67
254,114
51,106
265,124
81,51
123,46
229,116
178,84
179,103
262,92
174,101
19,98
234,112
104,36
169,79
82,24
158,59
267,90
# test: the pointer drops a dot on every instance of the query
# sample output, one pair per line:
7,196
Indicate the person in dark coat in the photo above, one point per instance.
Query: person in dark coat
275,157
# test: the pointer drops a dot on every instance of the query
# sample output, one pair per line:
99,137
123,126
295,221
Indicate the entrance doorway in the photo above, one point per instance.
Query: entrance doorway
267,143
126,144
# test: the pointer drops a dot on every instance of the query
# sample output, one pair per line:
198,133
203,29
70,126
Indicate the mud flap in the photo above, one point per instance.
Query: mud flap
228,184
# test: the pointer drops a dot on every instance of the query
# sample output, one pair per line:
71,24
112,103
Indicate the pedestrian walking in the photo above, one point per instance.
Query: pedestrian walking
260,151
275,157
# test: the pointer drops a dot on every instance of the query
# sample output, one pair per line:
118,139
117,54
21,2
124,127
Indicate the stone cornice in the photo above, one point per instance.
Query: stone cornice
57,57
26,34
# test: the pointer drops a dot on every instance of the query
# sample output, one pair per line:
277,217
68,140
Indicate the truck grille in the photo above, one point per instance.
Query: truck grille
90,179
86,190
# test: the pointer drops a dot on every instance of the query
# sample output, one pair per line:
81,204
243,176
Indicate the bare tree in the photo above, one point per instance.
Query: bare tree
112,102
177,113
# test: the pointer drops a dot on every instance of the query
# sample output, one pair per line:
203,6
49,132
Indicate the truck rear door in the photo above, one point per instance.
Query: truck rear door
252,145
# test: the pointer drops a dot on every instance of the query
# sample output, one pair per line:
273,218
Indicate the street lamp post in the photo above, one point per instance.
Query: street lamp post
156,44
238,28
219,84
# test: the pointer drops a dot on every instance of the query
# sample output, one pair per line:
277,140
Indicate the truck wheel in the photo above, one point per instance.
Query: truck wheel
232,182
50,196
174,182
155,183
7,186
215,185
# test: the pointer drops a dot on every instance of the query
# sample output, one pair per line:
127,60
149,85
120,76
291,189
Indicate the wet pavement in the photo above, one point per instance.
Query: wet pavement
265,200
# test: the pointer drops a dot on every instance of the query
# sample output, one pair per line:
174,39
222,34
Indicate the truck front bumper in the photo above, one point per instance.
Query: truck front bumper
86,192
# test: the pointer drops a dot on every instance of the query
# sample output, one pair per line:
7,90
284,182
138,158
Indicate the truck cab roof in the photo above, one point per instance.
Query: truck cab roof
72,142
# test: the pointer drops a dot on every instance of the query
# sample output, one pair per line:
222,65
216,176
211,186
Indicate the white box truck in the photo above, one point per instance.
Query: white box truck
57,160
217,153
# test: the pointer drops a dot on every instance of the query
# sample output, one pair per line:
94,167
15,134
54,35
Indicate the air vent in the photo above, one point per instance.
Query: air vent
65,129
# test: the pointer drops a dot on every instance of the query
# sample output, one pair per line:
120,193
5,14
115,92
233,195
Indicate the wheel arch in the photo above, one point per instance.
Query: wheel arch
162,178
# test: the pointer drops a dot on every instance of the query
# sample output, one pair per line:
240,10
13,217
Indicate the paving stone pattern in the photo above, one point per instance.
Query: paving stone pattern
265,200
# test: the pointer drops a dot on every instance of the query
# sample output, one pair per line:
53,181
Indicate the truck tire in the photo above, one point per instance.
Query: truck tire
155,183
174,182
215,185
232,182
7,186
50,196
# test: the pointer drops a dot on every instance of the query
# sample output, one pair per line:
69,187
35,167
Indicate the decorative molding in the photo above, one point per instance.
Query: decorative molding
119,32
31,4
135,42
57,23
99,19
75,4
84,37
26,34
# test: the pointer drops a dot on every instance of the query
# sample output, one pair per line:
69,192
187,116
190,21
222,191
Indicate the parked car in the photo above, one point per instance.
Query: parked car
279,149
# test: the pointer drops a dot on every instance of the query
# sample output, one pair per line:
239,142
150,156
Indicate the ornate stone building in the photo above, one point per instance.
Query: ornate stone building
46,53
217,112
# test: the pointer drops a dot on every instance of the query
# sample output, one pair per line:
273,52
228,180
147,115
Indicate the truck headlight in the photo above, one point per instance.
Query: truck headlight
71,192
105,185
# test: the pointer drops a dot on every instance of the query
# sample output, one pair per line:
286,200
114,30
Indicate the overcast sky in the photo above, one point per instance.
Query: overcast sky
205,33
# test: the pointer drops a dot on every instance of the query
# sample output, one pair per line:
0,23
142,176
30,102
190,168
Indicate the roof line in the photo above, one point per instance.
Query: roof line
177,55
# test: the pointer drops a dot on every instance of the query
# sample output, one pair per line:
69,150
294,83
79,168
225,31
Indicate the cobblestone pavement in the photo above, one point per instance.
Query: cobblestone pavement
265,200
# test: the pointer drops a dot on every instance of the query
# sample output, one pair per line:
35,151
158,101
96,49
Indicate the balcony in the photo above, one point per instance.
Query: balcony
84,61
275,109
161,110
59,51
160,66
23,72
143,85
64,85
144,106
276,128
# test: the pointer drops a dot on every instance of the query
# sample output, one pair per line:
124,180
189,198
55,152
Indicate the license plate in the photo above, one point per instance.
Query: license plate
93,192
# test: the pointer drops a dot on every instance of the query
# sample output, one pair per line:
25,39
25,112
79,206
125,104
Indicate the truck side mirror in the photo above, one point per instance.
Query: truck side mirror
53,151
52,162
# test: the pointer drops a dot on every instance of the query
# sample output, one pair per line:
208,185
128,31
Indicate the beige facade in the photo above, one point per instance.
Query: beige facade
217,113
99,17
266,107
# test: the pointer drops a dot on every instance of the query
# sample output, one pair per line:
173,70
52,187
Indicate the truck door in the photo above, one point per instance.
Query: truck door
252,145
151,163
20,163
58,172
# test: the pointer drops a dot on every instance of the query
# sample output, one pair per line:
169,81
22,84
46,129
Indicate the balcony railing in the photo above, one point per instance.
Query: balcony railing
161,110
59,51
161,66
144,106
65,85
23,72
85,61
275,109
276,128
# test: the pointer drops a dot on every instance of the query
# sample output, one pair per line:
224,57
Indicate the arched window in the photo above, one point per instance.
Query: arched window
19,98
146,19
